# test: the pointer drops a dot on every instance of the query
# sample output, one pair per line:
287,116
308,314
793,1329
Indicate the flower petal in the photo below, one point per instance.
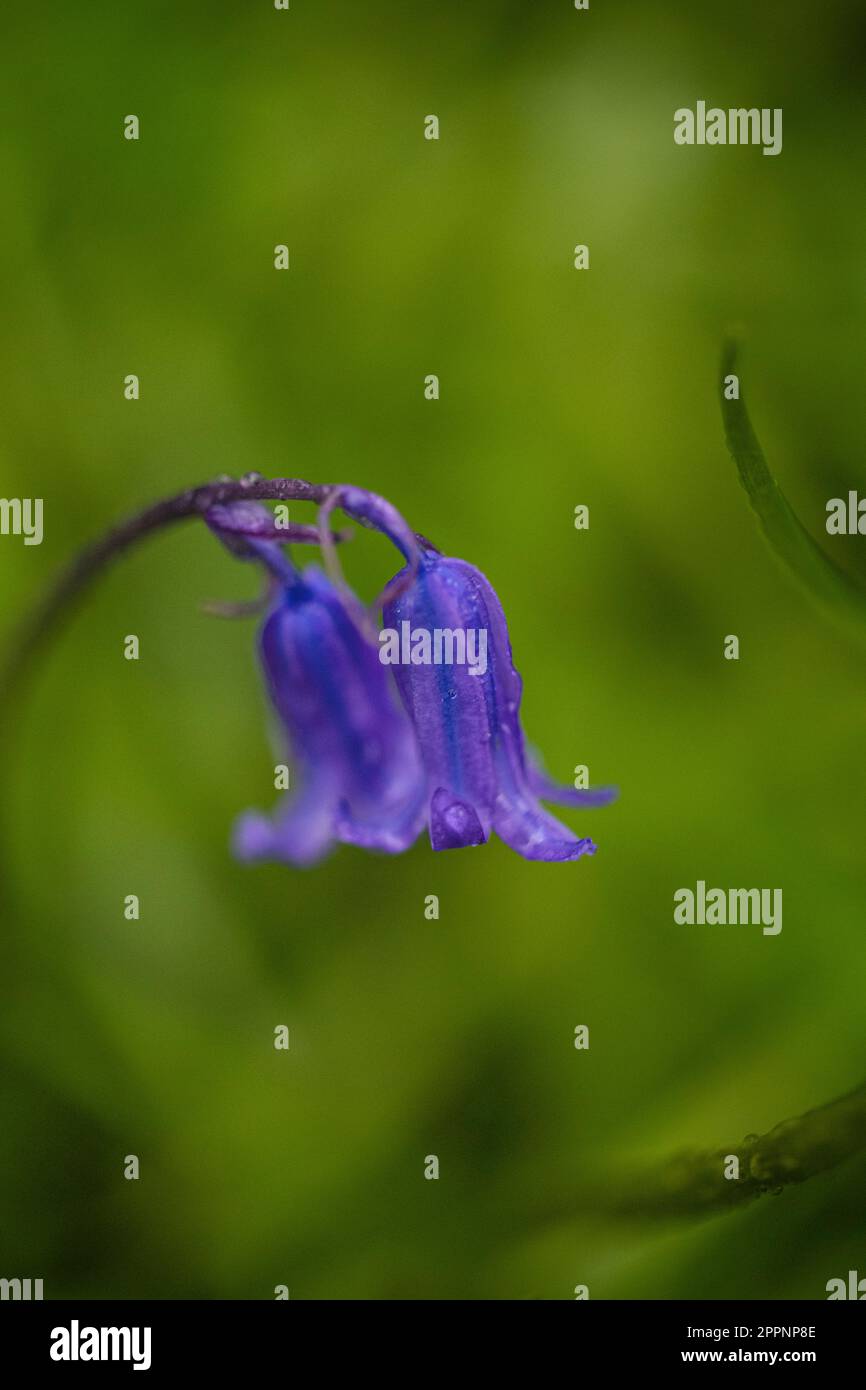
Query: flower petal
548,790
448,706
356,754
389,836
300,834
534,833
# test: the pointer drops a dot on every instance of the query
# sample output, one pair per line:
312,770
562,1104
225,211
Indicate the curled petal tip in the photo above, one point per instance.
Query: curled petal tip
252,838
588,797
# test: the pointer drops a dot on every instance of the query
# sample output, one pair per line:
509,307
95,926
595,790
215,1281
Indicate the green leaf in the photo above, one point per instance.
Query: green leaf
835,591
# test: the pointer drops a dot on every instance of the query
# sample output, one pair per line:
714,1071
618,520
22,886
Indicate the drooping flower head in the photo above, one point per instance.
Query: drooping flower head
374,769
378,752
466,715
354,751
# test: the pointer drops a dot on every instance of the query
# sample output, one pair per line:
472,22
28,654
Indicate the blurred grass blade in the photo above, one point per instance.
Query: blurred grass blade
837,593
697,1184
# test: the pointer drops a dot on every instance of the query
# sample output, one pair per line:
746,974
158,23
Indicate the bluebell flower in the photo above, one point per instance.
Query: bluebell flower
374,771
353,748
466,715
377,755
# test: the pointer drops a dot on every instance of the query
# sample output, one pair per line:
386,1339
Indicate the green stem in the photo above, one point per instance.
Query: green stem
56,605
838,594
693,1184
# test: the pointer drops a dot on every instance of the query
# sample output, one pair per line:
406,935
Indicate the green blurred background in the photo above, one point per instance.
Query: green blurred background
558,387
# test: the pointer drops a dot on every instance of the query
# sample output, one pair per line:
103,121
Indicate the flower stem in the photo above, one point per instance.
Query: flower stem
701,1183
48,615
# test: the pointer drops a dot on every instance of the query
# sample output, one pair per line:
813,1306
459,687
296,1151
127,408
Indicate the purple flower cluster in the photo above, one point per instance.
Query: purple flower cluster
381,752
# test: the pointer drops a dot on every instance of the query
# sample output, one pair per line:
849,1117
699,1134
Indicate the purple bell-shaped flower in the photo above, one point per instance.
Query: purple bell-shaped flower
447,639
